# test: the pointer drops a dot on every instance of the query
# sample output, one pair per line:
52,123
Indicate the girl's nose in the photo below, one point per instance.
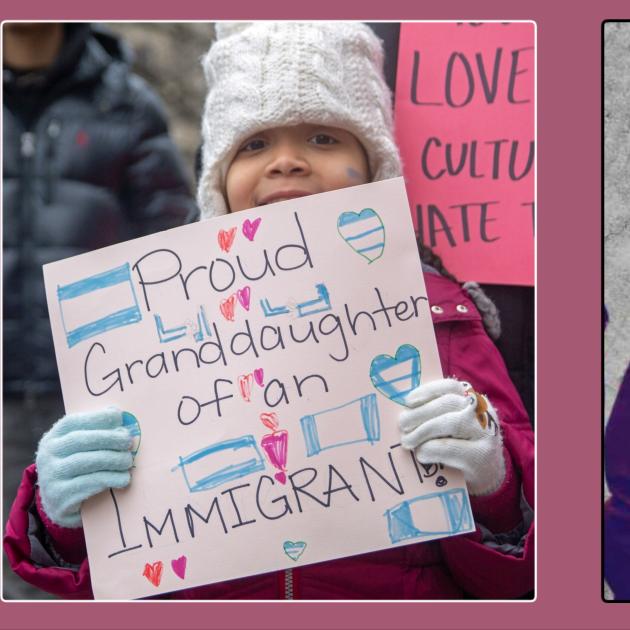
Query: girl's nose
286,159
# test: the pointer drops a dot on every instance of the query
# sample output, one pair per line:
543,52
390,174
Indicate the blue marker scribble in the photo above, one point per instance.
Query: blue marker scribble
318,305
271,311
165,335
202,325
198,334
407,361
244,448
204,319
168,334
93,284
367,409
456,510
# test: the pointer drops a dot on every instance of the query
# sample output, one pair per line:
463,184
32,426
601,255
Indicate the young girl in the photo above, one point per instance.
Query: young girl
295,109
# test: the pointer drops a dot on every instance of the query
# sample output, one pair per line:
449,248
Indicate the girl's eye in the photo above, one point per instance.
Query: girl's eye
323,138
253,145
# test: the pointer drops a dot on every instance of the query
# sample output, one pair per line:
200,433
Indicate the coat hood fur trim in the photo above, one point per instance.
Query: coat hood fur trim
486,307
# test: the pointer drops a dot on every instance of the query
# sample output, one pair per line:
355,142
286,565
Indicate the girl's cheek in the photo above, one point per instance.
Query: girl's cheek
355,176
352,173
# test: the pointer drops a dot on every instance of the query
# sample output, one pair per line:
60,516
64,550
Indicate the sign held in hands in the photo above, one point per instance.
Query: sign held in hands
262,359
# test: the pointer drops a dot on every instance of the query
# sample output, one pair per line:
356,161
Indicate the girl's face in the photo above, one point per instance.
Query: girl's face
289,162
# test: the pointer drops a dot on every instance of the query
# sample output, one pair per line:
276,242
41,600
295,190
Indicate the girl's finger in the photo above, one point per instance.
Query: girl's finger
428,391
447,403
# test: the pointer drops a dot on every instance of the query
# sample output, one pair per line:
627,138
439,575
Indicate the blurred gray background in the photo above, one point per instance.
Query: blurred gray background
167,55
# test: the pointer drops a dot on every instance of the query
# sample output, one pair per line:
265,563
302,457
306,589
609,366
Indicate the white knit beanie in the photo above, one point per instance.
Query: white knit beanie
262,75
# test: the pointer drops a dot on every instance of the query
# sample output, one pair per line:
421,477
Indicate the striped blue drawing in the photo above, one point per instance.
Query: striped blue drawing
350,423
396,376
98,303
364,232
219,463
437,514
294,549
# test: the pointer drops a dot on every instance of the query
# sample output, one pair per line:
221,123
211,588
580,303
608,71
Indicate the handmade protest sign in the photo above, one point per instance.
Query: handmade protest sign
261,359
465,127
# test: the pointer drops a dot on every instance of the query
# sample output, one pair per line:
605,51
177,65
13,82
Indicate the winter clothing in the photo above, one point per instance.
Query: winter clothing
450,423
87,163
496,561
263,75
82,455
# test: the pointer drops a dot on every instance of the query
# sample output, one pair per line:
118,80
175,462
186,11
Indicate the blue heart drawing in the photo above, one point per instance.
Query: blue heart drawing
364,232
294,549
396,376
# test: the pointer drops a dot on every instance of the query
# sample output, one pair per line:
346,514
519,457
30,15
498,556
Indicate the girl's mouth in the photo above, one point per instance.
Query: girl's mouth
282,195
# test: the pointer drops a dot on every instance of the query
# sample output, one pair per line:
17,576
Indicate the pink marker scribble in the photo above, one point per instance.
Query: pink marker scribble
227,307
251,227
243,296
245,386
275,445
226,238
259,376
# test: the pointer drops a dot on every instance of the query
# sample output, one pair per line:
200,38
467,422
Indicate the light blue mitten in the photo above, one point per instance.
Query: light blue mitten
80,456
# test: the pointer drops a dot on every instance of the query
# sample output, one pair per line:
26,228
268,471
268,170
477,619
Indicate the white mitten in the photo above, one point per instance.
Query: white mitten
449,423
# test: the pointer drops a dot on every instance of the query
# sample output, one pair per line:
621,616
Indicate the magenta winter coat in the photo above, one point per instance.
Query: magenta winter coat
496,561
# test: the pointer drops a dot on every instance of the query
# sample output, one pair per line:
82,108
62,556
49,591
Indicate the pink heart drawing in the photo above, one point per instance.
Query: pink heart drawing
226,238
259,376
281,477
275,447
245,385
153,572
250,228
243,296
179,566
227,307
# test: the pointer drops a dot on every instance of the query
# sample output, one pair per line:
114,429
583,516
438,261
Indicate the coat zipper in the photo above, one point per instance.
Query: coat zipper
288,584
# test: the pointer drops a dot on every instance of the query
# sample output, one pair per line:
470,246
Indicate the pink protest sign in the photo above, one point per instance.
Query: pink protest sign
465,107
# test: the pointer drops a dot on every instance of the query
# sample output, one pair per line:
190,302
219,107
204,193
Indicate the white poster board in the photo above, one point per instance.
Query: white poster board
259,357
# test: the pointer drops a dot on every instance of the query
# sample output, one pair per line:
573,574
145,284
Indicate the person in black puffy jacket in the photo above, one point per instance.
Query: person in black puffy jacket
88,162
